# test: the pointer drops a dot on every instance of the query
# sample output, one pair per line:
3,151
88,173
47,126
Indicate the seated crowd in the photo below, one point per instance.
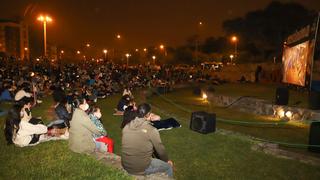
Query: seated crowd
75,91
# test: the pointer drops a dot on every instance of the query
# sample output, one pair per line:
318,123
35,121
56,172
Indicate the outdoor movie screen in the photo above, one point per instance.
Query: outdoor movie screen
295,61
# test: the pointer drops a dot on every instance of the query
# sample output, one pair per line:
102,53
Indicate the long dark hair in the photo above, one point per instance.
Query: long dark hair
12,123
76,103
129,114
143,110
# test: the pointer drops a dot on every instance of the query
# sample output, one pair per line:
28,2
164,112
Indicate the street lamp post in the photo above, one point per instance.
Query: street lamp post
105,54
197,40
127,55
154,60
234,39
60,59
231,57
44,19
26,53
163,49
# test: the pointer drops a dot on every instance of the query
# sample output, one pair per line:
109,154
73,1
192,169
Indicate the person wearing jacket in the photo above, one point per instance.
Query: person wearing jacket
82,129
61,110
139,140
102,141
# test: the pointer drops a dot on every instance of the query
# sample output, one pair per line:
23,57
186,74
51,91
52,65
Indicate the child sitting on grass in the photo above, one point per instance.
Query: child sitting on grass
103,143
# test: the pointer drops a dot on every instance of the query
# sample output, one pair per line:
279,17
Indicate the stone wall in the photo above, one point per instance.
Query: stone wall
263,107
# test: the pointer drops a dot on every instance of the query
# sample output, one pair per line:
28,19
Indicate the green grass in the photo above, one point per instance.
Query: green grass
290,132
196,156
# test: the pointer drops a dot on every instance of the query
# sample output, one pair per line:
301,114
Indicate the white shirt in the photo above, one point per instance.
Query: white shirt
25,132
20,94
126,92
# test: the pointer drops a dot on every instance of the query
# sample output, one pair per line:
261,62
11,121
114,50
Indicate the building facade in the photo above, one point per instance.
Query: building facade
14,39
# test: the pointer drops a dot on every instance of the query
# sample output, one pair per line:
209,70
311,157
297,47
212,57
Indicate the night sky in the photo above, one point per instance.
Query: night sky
140,22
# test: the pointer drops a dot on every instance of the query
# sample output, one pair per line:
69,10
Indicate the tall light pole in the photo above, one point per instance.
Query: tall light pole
197,40
154,60
231,57
234,39
26,53
163,49
61,54
127,55
44,19
105,54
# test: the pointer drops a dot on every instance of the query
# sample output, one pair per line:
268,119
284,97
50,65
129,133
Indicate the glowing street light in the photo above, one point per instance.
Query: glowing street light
78,52
105,53
128,55
231,57
154,59
145,49
44,19
118,36
163,48
88,45
137,50
26,53
234,39
61,53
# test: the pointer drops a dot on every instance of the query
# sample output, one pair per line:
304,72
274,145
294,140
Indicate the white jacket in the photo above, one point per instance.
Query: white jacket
20,94
25,132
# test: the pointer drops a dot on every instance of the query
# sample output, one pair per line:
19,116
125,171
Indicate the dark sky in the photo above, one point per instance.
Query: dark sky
140,22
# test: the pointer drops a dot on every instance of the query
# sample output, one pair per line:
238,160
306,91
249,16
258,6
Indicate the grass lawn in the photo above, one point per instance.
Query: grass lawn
196,156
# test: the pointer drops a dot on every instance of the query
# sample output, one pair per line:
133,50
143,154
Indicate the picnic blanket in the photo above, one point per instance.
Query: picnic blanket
166,124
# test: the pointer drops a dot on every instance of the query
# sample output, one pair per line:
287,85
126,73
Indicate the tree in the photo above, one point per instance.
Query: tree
214,45
263,32
183,55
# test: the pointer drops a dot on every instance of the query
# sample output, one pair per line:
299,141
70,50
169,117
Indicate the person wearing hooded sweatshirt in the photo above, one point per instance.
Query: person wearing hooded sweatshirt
139,140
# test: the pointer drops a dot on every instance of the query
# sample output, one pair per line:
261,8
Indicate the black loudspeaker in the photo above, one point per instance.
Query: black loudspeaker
282,96
197,91
314,137
314,100
203,122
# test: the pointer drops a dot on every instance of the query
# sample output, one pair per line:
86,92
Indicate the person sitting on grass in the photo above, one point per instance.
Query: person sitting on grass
81,129
139,140
21,129
129,114
23,92
103,143
127,91
63,113
123,103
